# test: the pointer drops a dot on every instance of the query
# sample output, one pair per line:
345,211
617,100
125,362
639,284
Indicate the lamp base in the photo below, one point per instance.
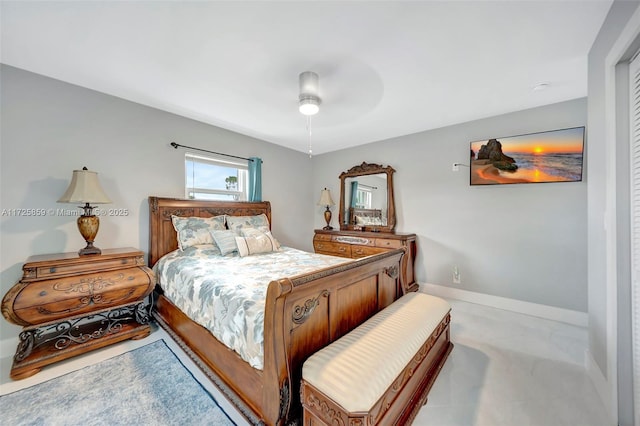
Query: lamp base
89,249
327,218
88,226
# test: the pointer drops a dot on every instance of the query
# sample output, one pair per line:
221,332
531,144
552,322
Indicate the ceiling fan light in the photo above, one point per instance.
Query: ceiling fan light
309,105
309,101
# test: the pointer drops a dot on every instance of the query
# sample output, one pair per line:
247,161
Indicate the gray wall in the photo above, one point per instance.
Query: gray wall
526,241
50,128
599,185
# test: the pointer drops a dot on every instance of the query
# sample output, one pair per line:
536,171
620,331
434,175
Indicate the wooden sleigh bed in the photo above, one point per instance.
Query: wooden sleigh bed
302,314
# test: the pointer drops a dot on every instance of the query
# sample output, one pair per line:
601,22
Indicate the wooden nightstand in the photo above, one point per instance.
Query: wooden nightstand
71,304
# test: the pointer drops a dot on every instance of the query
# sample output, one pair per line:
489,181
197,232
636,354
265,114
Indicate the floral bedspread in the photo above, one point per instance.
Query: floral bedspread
226,294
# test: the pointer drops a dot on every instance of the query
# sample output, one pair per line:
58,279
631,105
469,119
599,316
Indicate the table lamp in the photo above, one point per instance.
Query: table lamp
85,188
326,200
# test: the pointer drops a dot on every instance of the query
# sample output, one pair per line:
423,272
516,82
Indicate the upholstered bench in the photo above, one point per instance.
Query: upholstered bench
379,373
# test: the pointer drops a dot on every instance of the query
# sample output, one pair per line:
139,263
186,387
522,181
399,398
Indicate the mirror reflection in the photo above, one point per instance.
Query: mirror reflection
366,198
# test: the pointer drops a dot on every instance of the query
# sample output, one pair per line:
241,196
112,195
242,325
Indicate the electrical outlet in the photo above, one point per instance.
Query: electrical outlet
455,167
456,275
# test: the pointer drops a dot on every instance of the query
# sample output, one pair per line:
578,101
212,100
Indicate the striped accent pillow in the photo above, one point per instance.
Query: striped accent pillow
225,240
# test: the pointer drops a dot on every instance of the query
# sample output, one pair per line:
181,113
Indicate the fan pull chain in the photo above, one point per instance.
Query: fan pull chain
309,132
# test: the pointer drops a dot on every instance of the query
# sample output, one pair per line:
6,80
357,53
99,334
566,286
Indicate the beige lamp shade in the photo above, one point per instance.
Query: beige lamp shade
84,188
325,198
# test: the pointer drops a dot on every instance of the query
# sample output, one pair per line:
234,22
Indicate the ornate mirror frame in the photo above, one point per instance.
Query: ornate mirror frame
363,170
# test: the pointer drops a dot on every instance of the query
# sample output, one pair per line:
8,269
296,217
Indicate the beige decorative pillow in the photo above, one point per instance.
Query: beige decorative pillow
255,242
259,233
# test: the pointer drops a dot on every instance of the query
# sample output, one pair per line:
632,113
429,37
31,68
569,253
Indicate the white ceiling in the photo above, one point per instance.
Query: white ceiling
386,68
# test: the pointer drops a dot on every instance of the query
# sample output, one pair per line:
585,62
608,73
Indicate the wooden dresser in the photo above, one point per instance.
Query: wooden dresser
355,244
71,304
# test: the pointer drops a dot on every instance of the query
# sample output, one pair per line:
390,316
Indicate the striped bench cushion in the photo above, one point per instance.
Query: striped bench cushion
358,368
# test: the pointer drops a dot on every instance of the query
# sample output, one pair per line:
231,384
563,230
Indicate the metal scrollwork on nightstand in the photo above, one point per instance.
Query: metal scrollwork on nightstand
64,333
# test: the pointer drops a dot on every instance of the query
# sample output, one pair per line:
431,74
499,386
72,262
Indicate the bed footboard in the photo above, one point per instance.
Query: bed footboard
304,314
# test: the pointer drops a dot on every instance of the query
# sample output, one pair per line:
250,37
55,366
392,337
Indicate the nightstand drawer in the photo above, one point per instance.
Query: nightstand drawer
50,300
47,272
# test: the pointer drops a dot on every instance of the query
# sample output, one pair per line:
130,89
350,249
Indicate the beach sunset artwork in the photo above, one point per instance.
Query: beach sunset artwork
553,156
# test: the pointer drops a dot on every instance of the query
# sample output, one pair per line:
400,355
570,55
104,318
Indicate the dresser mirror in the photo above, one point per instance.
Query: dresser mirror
366,199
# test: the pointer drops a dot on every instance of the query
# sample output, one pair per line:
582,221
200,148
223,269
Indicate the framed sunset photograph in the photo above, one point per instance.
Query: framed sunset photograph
553,156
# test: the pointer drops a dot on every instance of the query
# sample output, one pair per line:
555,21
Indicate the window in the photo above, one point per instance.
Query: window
363,197
212,179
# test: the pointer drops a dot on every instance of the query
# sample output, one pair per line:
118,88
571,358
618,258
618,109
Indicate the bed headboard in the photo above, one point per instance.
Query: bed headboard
162,235
354,211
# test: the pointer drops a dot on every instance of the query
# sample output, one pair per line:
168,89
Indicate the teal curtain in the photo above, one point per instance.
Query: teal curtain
255,179
354,193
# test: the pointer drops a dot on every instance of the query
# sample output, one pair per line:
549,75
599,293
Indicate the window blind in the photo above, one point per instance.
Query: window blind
634,136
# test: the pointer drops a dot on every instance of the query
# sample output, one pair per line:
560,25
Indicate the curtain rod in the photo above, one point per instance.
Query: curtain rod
367,186
177,145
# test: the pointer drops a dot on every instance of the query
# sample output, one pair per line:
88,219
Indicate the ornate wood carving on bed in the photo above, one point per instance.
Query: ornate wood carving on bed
302,314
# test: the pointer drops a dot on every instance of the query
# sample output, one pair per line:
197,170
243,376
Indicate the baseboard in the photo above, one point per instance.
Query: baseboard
534,309
601,384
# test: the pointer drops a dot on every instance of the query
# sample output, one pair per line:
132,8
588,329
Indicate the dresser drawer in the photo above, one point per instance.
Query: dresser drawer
322,237
50,300
391,244
362,251
335,249
46,272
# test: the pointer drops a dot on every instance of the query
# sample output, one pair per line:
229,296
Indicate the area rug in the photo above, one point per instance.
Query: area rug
146,386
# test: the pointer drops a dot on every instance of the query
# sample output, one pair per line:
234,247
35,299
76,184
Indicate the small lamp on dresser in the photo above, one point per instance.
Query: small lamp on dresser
327,201
85,188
